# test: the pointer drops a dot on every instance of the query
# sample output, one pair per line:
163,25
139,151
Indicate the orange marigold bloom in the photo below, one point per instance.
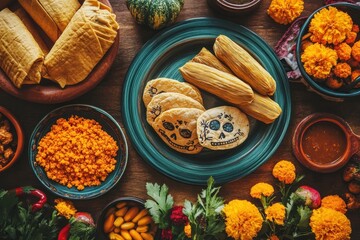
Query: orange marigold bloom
318,60
276,213
261,189
342,70
355,51
187,230
334,83
284,171
334,202
285,11
355,28
65,208
355,74
330,25
350,37
327,223
343,51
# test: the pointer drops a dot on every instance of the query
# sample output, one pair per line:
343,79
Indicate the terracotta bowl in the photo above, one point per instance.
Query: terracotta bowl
113,206
233,8
324,142
18,136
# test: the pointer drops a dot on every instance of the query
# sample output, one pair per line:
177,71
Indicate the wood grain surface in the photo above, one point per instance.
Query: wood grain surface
107,95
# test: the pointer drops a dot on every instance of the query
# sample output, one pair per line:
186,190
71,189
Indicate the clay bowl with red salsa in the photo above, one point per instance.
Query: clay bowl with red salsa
324,142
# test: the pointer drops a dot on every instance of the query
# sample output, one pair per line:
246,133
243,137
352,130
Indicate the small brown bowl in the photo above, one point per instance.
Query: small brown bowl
116,205
18,136
324,142
234,7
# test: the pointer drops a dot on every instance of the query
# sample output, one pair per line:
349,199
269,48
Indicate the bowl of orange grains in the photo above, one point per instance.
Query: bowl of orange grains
11,139
126,218
328,51
78,151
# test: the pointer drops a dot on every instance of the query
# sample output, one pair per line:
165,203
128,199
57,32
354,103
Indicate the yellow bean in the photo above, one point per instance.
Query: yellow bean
120,205
127,225
109,223
121,212
135,235
147,236
145,220
125,234
118,221
141,214
131,214
141,229
115,236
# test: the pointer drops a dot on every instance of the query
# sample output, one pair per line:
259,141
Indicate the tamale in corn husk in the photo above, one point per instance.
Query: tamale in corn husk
224,85
243,65
20,55
209,59
263,108
89,35
51,15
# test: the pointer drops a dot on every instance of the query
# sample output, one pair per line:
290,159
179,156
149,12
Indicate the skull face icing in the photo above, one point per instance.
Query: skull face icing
222,127
177,128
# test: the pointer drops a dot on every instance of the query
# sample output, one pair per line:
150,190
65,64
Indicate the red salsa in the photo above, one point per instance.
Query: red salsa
324,142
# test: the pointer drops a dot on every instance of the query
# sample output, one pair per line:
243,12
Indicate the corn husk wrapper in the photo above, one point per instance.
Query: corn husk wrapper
224,85
209,59
263,108
84,42
20,55
51,15
244,65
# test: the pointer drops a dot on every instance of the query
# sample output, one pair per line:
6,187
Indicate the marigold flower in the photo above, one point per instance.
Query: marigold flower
351,37
342,70
285,11
243,220
65,208
187,230
355,28
334,83
327,223
276,213
355,74
261,189
343,51
334,202
284,171
330,25
355,51
318,60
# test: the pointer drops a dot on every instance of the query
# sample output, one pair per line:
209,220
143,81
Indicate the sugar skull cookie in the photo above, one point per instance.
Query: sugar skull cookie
165,101
177,128
161,85
222,128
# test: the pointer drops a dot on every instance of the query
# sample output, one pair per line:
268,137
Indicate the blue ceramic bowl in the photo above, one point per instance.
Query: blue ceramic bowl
108,124
332,94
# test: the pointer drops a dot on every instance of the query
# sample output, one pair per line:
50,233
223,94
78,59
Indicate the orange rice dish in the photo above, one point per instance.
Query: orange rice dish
77,152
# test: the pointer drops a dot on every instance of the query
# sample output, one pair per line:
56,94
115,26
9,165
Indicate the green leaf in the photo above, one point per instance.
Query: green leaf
161,205
305,214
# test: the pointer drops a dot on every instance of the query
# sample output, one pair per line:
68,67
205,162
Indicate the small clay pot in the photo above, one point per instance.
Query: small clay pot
352,142
19,137
231,8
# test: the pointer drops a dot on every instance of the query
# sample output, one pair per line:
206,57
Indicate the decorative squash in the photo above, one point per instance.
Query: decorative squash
155,13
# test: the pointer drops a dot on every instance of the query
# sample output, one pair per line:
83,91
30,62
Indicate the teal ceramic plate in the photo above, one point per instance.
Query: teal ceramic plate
161,57
108,124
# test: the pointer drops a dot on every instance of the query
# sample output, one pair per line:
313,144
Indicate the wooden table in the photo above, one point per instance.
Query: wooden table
107,96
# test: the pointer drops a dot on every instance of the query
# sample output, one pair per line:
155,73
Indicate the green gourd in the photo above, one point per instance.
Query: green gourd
155,13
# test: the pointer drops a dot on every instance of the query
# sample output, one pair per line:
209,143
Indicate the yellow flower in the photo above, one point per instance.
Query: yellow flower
343,51
284,171
187,230
243,220
261,189
276,213
285,11
65,208
330,26
355,51
334,202
342,70
327,223
318,60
